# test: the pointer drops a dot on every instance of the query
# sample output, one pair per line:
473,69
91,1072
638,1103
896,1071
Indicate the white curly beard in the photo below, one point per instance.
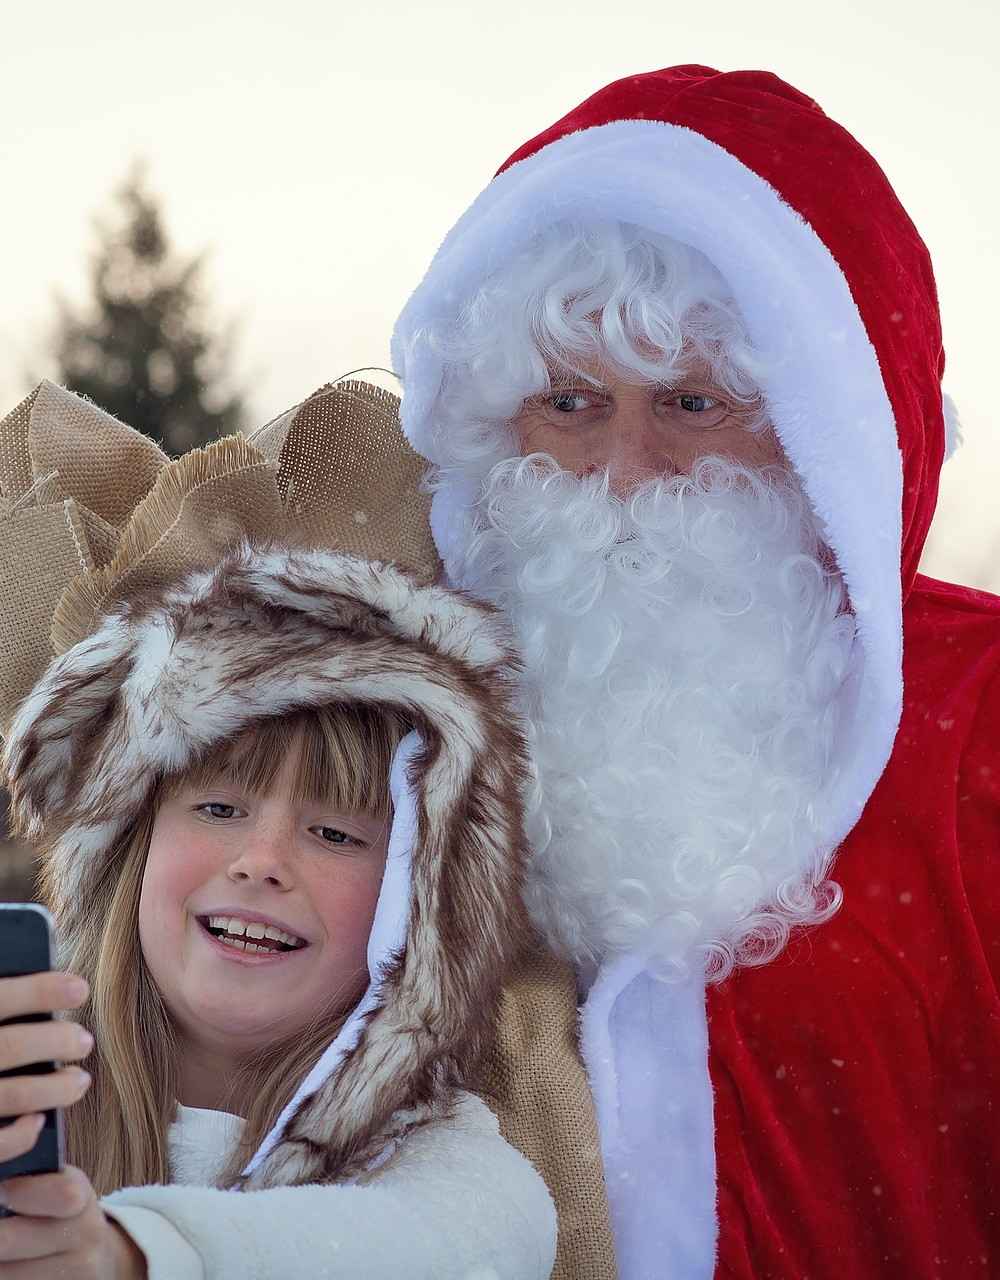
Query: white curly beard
684,653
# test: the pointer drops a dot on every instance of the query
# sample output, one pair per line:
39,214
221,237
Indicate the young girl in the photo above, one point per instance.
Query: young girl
275,794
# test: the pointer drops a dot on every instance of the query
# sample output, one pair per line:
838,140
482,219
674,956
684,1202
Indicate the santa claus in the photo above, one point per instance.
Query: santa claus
678,373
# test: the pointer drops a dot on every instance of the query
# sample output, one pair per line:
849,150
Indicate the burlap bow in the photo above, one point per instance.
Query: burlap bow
92,511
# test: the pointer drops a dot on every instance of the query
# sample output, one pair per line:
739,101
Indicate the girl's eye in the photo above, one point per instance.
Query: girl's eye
333,835
216,809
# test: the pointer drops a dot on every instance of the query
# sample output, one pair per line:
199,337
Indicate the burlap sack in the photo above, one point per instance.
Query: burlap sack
537,1085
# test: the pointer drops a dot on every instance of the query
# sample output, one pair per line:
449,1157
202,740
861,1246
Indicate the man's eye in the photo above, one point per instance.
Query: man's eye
215,809
695,410
691,402
569,401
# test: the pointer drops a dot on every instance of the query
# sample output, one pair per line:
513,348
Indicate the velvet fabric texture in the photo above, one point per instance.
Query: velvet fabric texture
855,1077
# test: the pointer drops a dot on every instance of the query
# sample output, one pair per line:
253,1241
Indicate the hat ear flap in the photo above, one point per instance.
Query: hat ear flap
63,726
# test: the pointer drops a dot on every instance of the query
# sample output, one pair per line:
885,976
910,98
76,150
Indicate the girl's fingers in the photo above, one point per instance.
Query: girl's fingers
22,1095
22,1043
40,993
48,1195
34,1248
18,1138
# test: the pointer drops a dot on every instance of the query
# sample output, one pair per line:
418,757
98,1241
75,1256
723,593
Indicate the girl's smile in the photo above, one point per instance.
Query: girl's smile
235,954
252,931
246,948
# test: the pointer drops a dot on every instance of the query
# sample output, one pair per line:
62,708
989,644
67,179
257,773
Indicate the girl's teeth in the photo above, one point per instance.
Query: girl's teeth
235,927
242,945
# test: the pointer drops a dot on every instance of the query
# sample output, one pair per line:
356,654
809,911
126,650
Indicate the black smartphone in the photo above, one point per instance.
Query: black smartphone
26,947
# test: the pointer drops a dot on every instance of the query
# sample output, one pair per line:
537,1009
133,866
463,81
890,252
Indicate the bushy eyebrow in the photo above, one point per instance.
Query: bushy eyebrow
694,379
562,380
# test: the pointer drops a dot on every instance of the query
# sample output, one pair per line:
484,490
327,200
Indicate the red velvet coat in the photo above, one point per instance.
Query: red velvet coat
857,1077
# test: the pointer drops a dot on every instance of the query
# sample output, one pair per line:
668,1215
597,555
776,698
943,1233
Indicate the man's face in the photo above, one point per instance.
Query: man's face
640,431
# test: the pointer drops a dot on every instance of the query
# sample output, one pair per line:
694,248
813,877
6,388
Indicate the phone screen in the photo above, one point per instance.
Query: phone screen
26,947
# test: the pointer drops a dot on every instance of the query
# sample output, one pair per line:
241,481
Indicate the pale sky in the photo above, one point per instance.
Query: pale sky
320,152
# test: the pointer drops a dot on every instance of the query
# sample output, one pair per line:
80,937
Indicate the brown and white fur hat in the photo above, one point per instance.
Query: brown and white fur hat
153,608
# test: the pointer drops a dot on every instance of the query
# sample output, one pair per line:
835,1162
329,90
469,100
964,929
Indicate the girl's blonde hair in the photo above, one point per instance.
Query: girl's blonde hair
118,1132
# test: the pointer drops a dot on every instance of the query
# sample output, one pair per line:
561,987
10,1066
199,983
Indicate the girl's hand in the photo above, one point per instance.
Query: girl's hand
23,1043
59,1229
62,1232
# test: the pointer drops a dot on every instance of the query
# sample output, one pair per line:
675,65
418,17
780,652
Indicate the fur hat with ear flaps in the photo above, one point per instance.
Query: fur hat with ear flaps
153,608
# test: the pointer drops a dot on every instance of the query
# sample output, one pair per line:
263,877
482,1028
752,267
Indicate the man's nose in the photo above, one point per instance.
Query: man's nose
263,859
639,449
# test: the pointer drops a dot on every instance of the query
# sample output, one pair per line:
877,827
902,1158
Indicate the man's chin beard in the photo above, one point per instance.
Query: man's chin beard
684,652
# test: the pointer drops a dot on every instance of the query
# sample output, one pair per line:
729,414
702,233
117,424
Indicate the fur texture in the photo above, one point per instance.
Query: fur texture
267,631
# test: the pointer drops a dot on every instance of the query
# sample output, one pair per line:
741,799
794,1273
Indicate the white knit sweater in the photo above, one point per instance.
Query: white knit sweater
457,1203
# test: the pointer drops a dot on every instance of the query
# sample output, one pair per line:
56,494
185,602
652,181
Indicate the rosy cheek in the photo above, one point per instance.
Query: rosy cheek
175,868
348,913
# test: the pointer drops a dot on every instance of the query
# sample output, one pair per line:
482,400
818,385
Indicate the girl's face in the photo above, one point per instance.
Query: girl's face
228,863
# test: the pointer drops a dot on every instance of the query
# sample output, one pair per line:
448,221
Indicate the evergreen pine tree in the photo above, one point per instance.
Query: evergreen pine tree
142,349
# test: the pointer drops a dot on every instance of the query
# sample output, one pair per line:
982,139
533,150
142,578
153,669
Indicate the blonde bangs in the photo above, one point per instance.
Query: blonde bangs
344,755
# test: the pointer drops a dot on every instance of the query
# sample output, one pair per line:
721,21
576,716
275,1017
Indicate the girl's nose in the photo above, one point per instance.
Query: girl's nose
262,860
